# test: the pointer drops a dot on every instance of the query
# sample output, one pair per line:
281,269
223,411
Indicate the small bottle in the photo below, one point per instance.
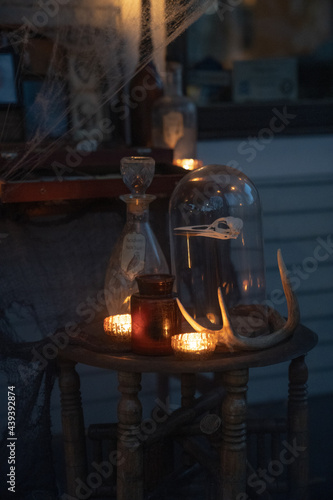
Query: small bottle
155,315
146,87
174,117
137,251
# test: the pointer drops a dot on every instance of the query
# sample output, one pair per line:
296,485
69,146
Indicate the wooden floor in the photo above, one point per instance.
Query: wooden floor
195,484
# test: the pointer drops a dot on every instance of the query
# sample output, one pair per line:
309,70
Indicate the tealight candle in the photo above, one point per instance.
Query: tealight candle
188,163
193,345
119,327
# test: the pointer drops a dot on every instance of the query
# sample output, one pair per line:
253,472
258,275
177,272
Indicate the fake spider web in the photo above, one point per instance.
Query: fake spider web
98,46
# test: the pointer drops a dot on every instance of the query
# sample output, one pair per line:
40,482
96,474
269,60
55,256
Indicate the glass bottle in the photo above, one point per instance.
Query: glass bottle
146,85
137,251
146,88
174,117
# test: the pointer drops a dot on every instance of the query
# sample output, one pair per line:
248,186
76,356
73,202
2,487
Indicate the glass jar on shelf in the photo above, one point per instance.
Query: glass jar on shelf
174,117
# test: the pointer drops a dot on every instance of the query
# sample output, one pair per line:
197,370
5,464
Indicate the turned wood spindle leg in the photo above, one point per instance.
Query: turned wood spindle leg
298,457
188,384
233,449
72,425
130,453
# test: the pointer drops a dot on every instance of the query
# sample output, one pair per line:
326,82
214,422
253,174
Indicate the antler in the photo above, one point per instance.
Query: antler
233,340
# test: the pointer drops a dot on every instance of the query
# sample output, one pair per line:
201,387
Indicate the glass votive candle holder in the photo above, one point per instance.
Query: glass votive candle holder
194,345
119,328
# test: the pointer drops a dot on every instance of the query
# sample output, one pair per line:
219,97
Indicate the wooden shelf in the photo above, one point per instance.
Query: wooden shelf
79,189
99,175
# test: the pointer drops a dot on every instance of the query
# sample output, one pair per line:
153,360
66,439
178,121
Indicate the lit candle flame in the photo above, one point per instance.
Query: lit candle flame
188,163
193,345
119,326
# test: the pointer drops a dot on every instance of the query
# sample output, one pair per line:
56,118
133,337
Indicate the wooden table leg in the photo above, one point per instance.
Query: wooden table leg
233,449
188,388
72,426
129,447
298,429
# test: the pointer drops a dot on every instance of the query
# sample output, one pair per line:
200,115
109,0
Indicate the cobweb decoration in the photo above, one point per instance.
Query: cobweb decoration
33,428
50,270
98,46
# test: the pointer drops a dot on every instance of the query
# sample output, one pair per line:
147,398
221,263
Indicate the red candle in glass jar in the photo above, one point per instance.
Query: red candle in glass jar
155,315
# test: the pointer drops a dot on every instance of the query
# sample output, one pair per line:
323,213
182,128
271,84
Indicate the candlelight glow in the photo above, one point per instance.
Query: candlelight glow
188,251
119,326
188,163
193,345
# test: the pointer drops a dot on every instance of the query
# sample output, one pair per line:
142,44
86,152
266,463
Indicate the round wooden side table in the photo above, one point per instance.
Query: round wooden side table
234,369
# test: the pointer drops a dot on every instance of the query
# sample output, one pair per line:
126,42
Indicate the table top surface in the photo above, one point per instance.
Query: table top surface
101,355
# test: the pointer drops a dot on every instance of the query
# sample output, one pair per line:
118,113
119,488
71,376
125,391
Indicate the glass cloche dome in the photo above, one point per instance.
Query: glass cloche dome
216,241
